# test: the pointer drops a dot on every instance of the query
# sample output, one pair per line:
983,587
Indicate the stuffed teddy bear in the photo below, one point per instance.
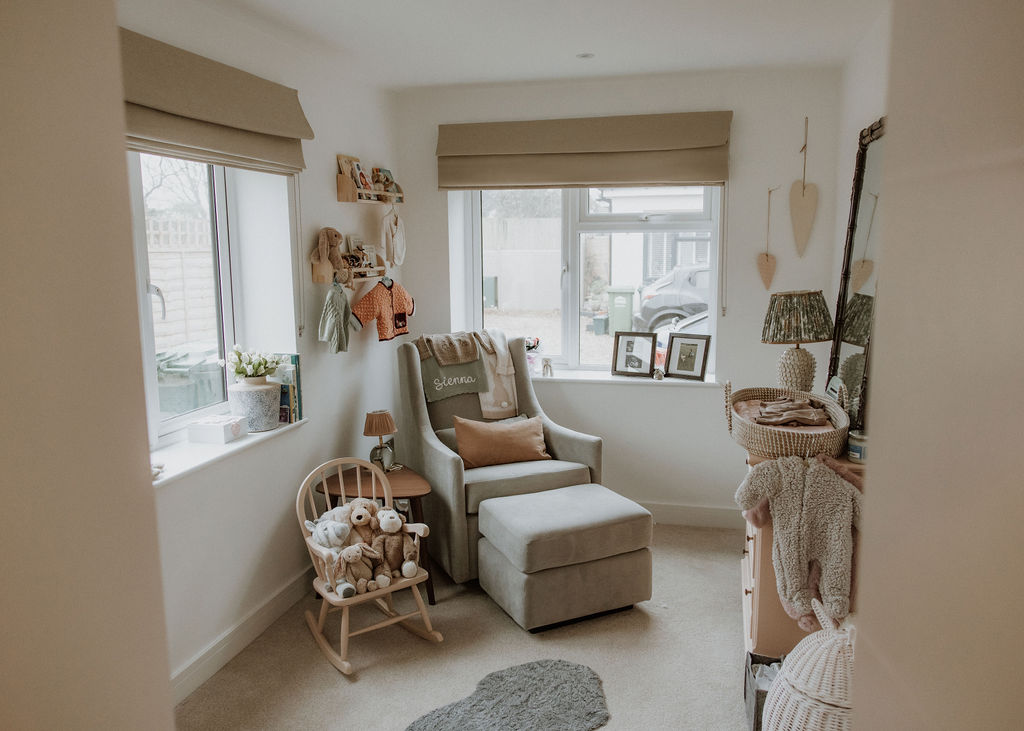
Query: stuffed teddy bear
397,549
363,518
332,534
355,567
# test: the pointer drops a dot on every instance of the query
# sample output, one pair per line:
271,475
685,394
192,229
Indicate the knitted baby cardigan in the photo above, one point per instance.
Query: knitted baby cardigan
813,511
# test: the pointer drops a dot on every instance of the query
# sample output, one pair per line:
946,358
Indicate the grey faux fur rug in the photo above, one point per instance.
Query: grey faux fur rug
553,695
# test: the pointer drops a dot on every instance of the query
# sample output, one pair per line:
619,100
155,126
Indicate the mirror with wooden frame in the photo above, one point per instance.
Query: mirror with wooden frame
851,338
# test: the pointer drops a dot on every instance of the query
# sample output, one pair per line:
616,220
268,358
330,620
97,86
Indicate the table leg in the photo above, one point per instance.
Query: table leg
417,516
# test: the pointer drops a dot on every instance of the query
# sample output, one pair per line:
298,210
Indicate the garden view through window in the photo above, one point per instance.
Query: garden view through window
573,267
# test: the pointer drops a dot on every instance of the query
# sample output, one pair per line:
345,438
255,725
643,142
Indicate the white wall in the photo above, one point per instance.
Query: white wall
82,618
682,458
939,645
229,542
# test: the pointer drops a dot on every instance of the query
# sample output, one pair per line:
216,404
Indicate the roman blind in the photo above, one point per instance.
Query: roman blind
182,104
647,149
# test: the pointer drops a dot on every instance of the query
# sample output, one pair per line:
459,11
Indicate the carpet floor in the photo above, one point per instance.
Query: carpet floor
674,662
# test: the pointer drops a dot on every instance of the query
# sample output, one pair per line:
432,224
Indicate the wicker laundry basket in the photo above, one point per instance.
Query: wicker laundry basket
773,442
814,688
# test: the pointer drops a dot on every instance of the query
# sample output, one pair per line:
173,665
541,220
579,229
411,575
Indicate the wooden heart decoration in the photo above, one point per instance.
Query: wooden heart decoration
766,268
860,272
803,204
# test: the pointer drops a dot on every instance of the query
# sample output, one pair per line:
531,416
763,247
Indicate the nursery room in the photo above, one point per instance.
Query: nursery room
478,365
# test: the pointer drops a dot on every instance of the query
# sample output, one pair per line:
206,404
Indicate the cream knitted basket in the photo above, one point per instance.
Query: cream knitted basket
773,442
814,688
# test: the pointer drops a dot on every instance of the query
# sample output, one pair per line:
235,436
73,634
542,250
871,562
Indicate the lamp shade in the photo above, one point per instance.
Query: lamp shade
797,317
379,424
857,323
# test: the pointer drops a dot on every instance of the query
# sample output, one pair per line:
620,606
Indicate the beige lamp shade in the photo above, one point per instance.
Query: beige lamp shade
379,424
857,322
797,317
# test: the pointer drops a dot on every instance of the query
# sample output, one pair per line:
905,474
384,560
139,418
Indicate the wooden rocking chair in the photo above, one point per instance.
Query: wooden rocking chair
329,475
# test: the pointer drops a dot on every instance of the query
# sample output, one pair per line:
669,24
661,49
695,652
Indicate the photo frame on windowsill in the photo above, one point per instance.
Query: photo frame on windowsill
634,354
687,356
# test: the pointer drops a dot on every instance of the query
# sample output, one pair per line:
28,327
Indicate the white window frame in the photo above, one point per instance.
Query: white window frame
577,219
164,431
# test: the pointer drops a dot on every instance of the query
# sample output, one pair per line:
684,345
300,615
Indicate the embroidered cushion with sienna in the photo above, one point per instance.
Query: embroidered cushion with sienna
482,443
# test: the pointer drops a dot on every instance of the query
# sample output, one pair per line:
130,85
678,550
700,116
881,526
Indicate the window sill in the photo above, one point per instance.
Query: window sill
567,376
183,458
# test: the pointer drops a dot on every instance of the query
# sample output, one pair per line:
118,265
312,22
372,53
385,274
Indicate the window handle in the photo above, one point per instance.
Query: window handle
153,289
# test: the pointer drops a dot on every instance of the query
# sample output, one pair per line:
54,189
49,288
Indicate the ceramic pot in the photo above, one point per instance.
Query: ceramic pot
256,400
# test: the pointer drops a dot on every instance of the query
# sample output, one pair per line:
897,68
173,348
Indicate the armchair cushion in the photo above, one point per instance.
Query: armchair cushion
481,444
519,478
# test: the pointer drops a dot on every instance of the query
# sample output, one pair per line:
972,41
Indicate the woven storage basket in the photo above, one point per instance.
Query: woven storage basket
813,690
773,442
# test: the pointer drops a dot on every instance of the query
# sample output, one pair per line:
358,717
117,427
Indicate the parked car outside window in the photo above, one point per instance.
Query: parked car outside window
682,293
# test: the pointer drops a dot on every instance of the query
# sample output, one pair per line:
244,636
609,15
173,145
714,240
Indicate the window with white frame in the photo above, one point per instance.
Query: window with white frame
213,249
573,266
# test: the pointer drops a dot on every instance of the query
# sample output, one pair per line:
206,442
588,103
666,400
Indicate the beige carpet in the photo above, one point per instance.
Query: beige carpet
674,662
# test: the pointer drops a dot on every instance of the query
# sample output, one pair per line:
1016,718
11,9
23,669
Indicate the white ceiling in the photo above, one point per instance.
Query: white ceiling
403,43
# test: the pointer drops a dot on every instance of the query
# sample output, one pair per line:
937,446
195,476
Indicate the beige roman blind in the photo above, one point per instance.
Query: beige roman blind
182,104
647,149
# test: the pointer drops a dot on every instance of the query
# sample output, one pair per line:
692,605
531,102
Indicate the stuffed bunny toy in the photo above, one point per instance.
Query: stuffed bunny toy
398,550
355,567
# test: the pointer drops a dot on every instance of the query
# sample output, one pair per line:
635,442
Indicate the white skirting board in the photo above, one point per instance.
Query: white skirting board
236,638
695,515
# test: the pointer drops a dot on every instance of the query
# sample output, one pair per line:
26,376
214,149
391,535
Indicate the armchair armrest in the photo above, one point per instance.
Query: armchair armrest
574,446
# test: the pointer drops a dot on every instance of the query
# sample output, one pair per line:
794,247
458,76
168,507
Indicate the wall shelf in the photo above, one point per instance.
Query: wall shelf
349,170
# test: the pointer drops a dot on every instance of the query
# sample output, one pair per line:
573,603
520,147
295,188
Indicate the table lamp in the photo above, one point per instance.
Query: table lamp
379,424
794,318
856,331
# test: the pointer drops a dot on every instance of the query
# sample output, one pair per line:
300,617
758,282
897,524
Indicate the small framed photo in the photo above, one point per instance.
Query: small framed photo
687,356
634,354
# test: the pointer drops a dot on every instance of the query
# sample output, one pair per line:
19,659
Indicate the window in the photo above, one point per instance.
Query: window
574,266
205,235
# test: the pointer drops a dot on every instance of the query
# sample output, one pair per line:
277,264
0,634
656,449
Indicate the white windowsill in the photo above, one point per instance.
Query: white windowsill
567,376
184,457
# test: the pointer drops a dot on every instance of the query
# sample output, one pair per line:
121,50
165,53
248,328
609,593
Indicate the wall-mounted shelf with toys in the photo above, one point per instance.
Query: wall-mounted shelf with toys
355,184
345,260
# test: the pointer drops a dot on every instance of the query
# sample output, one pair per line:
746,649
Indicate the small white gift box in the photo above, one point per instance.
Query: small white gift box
218,429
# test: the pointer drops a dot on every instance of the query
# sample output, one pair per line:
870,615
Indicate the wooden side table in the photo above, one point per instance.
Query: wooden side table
406,484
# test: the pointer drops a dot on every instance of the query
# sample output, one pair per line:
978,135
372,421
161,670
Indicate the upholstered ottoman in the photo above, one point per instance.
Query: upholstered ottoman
550,556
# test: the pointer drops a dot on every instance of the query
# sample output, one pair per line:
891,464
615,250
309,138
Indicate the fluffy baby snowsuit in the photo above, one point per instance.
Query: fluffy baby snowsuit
813,511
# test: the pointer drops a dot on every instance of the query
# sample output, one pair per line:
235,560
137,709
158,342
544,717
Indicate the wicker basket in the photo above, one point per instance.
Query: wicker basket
814,688
773,442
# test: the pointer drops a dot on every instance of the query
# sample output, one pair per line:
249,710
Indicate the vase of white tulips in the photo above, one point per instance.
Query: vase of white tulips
251,396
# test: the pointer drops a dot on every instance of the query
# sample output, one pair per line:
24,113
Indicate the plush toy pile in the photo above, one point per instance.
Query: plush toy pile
367,545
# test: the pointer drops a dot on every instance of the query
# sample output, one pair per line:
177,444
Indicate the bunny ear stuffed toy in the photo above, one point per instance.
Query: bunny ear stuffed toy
354,565
399,550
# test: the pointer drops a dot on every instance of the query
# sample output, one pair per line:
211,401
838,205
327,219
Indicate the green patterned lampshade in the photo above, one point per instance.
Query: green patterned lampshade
797,317
857,323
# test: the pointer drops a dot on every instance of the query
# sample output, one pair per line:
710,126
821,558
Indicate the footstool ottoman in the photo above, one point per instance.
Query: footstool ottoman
551,556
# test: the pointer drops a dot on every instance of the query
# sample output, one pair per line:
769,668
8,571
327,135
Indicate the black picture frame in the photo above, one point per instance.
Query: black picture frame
634,354
687,356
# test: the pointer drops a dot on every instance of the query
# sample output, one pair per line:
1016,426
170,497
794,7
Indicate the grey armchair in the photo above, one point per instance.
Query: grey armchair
427,444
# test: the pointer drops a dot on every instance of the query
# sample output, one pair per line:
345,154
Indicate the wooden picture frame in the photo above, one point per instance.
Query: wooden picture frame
634,354
687,356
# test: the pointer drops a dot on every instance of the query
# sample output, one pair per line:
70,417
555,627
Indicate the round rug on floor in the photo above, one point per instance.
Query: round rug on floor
554,695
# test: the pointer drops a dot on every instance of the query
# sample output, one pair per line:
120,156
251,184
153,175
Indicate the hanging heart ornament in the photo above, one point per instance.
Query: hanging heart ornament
803,204
860,272
766,268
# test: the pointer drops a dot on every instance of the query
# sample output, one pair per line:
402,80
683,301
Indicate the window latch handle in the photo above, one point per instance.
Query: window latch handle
153,289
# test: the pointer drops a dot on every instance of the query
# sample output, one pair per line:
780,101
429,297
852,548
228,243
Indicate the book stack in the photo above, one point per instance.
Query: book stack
289,377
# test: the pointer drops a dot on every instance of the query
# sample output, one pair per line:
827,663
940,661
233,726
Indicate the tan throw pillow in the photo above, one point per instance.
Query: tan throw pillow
484,443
